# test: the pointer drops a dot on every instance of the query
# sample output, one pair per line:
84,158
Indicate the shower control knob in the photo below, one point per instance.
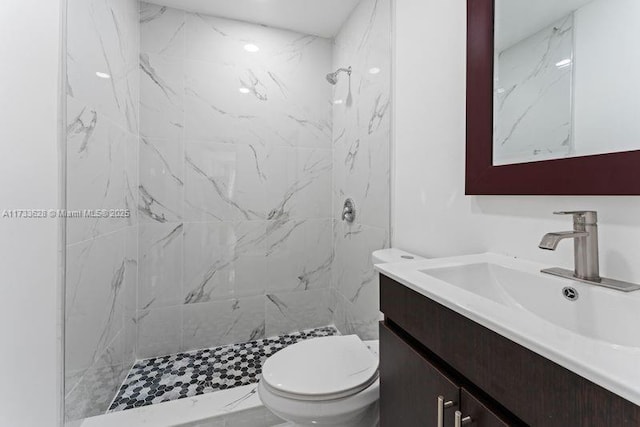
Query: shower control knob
349,211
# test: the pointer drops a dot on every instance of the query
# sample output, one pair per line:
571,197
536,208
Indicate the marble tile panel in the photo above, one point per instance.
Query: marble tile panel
223,322
361,137
353,268
159,331
299,255
224,260
209,261
250,258
97,172
361,171
299,184
292,311
353,275
102,57
94,300
361,168
96,389
349,319
274,93
161,265
130,294
162,30
161,96
161,189
225,182
131,178
224,103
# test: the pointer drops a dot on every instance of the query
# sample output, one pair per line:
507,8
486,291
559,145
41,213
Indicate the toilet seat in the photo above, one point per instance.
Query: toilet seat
321,369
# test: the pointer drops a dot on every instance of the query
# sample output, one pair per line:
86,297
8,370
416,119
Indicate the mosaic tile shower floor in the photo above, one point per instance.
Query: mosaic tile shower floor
166,378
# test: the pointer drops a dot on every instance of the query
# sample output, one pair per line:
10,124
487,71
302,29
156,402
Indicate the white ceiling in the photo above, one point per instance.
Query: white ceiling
518,19
318,17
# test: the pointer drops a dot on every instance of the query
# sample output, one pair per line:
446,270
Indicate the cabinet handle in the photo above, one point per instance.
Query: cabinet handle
462,421
442,405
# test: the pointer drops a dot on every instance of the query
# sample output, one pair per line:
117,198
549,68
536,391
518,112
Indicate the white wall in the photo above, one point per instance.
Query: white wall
29,48
432,216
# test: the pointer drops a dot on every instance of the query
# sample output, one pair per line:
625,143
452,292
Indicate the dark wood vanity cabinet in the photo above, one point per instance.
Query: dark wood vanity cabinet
428,350
410,385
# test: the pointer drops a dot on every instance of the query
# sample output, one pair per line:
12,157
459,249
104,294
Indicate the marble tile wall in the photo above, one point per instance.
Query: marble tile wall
234,172
361,165
533,97
102,173
235,182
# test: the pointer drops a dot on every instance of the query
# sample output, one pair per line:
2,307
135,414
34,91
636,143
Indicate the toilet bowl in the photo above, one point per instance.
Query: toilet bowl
328,381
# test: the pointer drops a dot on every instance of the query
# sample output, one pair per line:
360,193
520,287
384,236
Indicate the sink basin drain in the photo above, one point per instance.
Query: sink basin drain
570,293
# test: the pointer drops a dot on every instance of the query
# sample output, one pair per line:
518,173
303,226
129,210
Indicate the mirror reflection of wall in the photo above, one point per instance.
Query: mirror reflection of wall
565,79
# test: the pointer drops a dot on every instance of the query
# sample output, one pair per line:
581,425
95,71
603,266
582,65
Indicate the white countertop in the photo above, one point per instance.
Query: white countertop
612,366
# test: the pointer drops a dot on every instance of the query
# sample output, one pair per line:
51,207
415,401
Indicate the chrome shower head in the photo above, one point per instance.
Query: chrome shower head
333,77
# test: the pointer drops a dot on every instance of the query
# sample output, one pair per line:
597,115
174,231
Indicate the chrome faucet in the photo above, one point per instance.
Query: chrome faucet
585,248
585,244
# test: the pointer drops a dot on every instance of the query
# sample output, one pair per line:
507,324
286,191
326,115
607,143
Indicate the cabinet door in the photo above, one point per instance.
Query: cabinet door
481,415
410,386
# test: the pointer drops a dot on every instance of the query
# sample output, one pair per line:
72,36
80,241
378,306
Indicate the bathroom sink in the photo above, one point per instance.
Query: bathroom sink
582,309
588,329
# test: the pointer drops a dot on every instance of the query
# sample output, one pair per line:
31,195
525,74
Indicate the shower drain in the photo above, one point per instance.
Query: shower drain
570,293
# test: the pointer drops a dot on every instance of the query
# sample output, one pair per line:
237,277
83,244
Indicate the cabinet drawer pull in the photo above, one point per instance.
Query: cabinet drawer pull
442,405
461,421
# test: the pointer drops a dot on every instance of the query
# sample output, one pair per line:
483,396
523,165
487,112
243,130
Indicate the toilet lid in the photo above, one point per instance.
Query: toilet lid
321,368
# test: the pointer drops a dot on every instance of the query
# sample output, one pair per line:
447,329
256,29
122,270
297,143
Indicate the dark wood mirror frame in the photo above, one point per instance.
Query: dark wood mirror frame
605,174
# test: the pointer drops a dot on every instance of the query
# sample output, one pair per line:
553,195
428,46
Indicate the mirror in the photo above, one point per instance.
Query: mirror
565,79
553,83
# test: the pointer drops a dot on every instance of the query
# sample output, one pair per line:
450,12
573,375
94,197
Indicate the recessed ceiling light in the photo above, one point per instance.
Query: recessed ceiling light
250,47
374,70
563,63
244,90
338,101
103,75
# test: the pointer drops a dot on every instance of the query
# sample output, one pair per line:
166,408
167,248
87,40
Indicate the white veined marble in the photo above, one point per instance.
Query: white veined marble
102,37
235,181
361,166
533,97
102,173
222,322
98,333
293,311
161,182
160,265
98,175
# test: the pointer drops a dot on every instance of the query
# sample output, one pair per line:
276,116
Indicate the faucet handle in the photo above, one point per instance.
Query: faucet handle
581,217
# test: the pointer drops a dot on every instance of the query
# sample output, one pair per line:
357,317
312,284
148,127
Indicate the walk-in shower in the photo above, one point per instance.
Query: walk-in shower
333,77
228,157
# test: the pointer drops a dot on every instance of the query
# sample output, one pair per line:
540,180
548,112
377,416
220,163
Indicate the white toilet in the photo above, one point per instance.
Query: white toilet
328,381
